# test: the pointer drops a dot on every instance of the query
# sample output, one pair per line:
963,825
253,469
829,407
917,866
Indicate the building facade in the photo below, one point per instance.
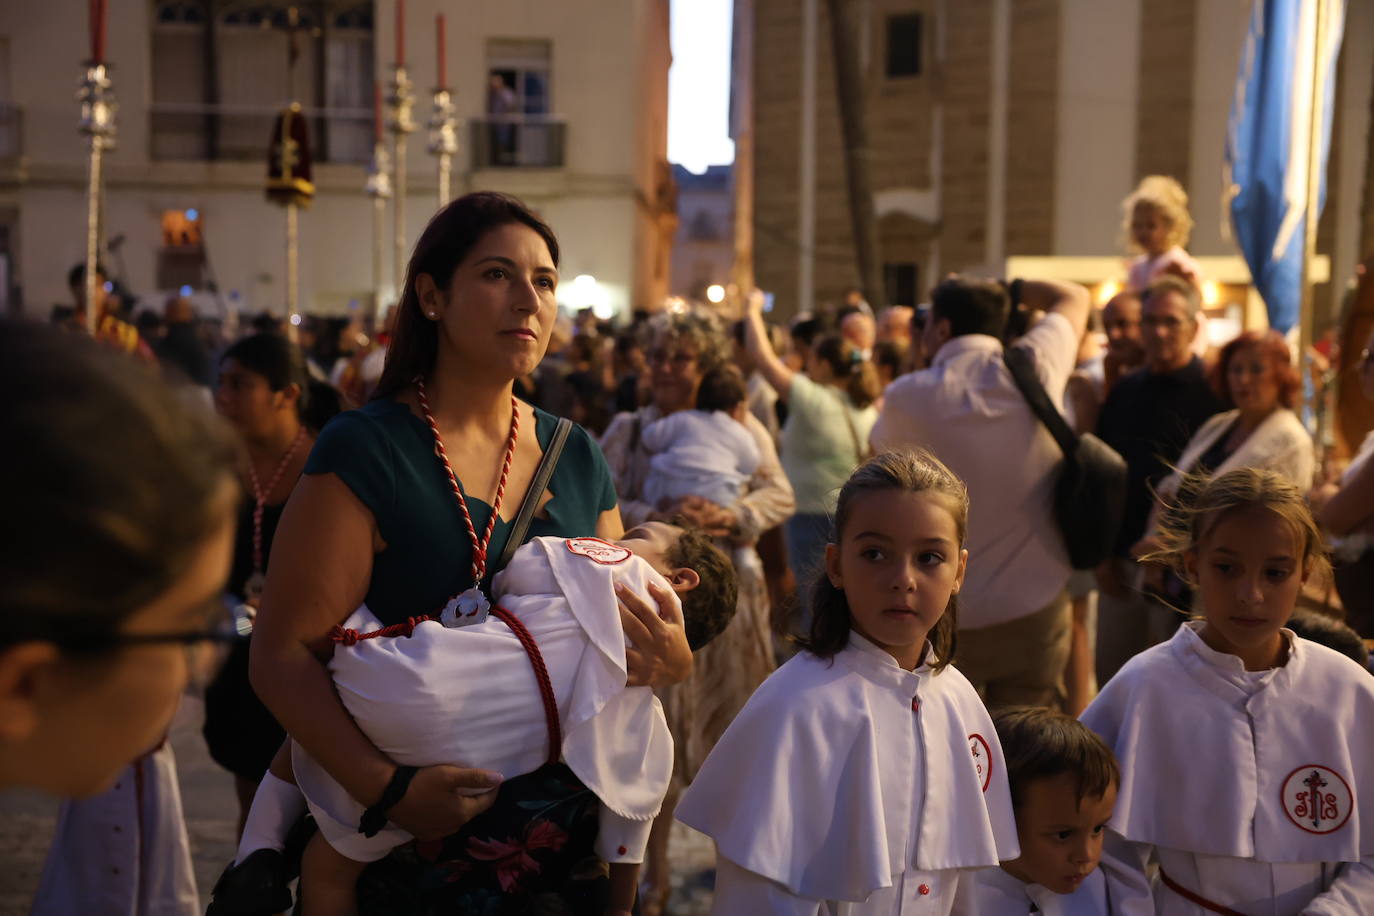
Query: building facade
1002,131
703,249
577,129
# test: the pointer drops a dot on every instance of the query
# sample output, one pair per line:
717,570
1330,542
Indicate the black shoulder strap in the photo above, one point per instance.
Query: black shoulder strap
537,487
1018,363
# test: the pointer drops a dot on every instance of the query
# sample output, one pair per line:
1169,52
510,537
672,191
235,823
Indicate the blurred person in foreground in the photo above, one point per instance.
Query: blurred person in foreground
117,542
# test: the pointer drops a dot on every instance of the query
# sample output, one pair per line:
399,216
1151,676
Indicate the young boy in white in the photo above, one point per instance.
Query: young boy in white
1245,751
1063,786
864,773
706,452
467,695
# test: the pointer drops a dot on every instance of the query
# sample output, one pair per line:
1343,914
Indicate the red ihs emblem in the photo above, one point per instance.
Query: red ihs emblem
982,759
1317,799
599,551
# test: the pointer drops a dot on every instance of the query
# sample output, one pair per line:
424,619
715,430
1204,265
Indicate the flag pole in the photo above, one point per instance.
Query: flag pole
1311,220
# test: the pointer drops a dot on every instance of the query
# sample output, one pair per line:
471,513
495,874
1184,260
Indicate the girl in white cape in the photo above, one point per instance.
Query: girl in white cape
1245,751
864,774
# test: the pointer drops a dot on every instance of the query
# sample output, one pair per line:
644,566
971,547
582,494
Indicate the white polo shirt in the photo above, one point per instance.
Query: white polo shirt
967,410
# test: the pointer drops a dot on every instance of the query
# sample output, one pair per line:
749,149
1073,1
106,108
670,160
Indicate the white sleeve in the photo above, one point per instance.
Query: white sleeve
658,435
740,892
620,839
1350,891
1054,349
1128,885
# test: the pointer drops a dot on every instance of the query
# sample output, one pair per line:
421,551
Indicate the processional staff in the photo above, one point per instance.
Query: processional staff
443,125
401,122
98,109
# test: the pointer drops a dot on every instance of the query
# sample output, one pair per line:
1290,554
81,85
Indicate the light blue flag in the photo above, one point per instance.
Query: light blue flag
1268,145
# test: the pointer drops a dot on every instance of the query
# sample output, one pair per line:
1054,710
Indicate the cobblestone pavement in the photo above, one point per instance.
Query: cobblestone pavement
27,820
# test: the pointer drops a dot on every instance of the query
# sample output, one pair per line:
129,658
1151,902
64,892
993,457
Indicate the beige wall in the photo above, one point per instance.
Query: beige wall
1096,93
609,81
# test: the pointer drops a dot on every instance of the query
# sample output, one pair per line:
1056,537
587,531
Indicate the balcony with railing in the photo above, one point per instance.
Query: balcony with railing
225,133
517,142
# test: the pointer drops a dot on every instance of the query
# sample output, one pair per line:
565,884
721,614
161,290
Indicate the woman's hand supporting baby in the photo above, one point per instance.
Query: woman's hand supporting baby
658,654
441,799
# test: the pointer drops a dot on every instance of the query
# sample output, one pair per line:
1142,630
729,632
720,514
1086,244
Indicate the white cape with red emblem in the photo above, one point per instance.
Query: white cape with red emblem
1278,774
840,775
468,696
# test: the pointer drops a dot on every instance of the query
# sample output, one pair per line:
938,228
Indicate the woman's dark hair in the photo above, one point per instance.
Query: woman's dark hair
325,404
859,375
1274,349
277,360
451,235
1039,743
805,330
904,471
116,481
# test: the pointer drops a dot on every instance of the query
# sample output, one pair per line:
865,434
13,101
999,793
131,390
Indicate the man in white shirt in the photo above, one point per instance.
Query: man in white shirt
1014,619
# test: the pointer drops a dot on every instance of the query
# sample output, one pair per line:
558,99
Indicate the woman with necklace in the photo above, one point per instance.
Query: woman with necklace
405,505
263,387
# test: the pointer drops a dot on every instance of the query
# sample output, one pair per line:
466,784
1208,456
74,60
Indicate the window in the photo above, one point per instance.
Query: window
904,45
518,129
703,228
899,282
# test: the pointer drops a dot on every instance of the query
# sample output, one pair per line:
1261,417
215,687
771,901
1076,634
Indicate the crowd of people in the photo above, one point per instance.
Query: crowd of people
482,602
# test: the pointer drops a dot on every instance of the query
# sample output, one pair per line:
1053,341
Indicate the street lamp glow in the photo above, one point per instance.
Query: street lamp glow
715,293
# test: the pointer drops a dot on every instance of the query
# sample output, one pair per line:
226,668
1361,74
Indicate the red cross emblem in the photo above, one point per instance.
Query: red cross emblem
982,759
598,551
1317,799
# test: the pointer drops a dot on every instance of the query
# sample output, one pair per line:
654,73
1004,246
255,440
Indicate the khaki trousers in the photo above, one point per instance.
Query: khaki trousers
1020,662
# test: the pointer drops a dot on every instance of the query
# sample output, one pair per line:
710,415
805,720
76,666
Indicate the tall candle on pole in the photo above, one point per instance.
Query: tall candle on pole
379,189
401,123
289,170
98,109
443,126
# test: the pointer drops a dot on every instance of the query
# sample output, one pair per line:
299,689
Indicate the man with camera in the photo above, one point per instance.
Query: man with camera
1014,618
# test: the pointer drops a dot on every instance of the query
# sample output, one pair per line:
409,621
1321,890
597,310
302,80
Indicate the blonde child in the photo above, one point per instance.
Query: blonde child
864,774
1064,781
1157,224
1244,750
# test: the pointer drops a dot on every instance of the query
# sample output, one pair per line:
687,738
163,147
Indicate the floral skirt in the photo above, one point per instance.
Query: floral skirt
531,853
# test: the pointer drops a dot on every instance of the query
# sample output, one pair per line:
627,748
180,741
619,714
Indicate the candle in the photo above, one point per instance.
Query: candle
98,11
400,33
377,111
443,57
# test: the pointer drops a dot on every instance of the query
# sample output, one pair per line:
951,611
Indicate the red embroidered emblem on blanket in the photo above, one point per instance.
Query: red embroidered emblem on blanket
598,551
1317,799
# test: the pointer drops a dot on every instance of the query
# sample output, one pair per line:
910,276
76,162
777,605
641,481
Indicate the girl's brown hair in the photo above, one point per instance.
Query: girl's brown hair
905,471
859,375
451,235
1201,502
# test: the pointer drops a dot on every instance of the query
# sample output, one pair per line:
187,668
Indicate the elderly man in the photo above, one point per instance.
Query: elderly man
1149,416
1014,619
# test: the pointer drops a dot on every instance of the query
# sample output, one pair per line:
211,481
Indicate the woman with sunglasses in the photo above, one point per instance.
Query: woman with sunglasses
117,540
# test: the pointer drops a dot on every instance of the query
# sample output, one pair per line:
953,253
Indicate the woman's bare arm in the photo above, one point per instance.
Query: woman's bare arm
760,349
319,571
1351,505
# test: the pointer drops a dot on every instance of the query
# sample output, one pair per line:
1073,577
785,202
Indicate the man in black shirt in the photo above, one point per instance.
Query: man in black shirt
1148,417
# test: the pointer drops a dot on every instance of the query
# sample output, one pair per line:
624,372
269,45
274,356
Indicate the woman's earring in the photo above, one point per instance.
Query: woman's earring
433,315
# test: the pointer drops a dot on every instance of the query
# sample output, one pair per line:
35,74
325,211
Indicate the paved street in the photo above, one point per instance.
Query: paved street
26,825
